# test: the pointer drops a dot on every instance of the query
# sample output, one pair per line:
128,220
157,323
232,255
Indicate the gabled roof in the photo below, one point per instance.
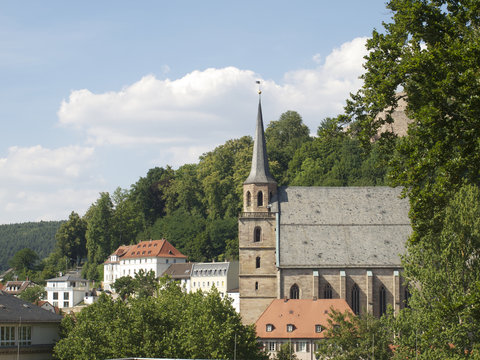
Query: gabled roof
148,249
14,310
179,270
303,314
331,226
16,287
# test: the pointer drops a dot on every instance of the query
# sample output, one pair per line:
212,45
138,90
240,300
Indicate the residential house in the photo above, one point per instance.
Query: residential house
300,322
66,291
222,275
17,287
26,330
181,272
127,260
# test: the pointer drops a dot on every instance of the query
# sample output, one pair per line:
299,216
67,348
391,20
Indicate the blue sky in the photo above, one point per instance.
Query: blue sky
93,94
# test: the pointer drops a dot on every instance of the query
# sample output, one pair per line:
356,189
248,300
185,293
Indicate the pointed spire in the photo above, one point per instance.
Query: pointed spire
260,172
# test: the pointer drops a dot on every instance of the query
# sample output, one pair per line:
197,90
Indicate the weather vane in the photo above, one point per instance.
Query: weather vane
259,89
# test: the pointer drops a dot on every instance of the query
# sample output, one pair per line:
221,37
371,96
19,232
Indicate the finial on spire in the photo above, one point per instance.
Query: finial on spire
259,89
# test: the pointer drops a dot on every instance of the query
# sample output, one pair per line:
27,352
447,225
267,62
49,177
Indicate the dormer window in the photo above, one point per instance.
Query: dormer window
318,328
269,328
290,327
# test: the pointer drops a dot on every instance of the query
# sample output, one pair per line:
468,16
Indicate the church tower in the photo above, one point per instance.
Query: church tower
257,240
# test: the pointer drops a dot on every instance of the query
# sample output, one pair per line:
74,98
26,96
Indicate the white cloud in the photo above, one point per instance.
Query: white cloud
46,184
205,108
156,122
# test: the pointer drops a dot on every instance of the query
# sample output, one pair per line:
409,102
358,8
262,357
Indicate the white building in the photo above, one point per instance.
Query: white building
26,330
127,260
66,291
181,272
222,275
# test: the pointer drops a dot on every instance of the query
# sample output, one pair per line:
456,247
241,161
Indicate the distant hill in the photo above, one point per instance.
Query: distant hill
38,236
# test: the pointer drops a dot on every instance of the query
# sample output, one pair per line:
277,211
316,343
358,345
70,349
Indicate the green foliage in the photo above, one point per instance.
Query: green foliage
38,236
335,158
23,260
172,325
144,284
286,352
33,294
71,240
351,337
283,138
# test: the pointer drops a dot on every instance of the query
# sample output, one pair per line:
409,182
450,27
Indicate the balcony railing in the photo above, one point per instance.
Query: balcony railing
257,215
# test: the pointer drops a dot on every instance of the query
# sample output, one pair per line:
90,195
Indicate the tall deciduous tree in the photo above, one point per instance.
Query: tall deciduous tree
173,325
284,136
71,240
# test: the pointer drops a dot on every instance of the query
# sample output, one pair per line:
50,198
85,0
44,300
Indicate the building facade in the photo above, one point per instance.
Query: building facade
221,275
299,323
66,291
319,242
26,330
155,255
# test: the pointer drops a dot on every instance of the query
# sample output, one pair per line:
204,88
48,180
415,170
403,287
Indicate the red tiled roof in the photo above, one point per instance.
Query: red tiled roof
146,249
303,314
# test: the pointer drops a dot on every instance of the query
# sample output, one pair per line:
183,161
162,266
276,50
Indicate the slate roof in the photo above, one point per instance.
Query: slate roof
179,270
67,277
259,172
303,314
211,269
13,309
342,226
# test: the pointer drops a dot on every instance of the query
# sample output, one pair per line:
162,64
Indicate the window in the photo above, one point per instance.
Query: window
256,285
260,198
302,346
66,296
327,291
271,346
25,335
383,300
318,328
55,296
294,292
55,303
257,234
7,335
269,328
66,304
355,299
257,262
249,199
289,327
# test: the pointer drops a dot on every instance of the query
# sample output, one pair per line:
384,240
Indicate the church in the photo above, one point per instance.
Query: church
319,242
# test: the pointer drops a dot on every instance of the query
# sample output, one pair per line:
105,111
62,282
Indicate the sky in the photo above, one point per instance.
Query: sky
93,94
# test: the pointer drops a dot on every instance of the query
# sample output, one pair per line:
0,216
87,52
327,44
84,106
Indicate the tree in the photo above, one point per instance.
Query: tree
124,286
33,294
71,240
127,220
99,234
431,52
23,260
173,325
351,337
283,138
286,352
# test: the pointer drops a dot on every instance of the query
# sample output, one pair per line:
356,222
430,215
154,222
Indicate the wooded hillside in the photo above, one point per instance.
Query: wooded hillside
38,236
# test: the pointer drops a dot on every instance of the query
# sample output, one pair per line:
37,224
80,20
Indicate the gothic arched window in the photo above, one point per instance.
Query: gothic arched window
327,291
257,262
294,292
383,300
249,199
257,234
260,198
355,299
407,297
